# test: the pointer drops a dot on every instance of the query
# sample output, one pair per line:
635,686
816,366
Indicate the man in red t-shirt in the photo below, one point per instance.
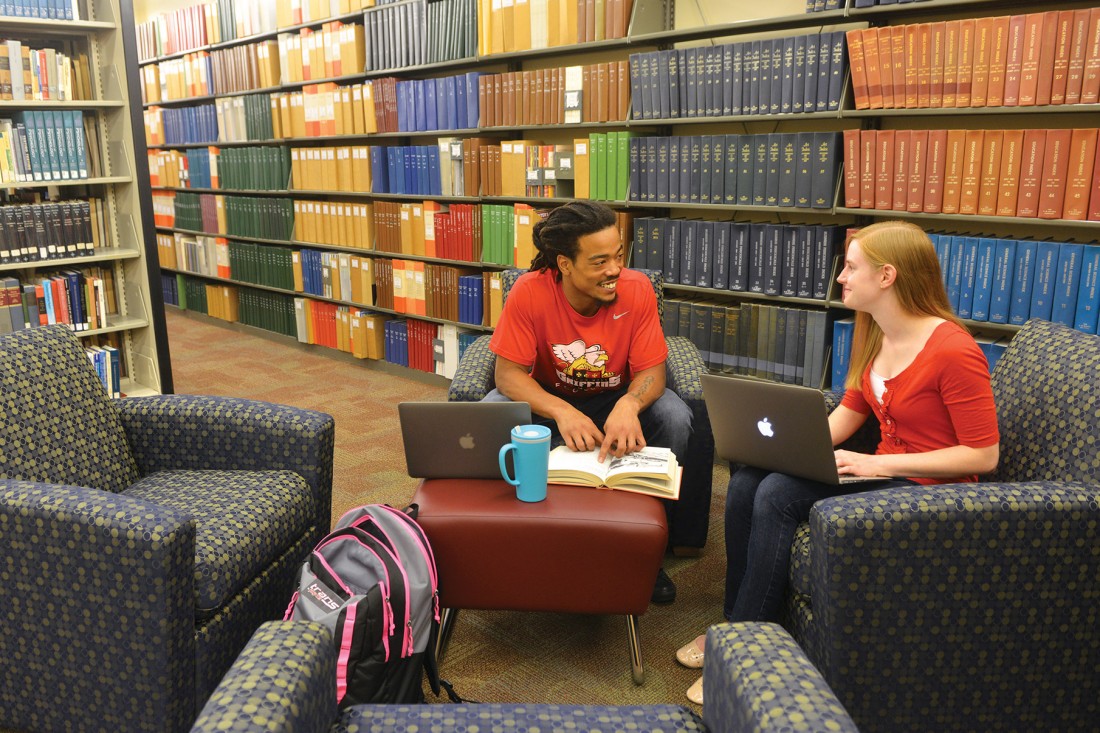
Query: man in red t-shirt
580,341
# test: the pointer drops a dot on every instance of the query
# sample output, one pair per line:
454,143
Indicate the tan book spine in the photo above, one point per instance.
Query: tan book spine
954,159
950,63
936,59
1063,43
1082,157
998,59
886,67
902,151
1031,173
989,185
1029,64
872,67
1075,73
1012,148
851,168
965,74
1090,83
924,64
857,68
867,140
918,160
1056,159
912,61
979,78
1014,58
971,172
884,170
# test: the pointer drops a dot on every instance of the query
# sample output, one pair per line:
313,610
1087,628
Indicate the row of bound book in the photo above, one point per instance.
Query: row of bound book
43,73
51,230
789,260
192,27
775,169
779,343
244,216
563,95
428,347
1044,173
1010,280
80,299
450,293
521,25
417,32
44,9
336,49
265,168
234,119
337,223
1036,59
773,76
48,145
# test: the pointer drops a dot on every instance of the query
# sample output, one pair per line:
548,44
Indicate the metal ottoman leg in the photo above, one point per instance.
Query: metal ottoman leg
635,650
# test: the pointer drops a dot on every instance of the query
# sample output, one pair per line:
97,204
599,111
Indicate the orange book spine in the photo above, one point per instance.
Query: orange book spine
936,53
1008,189
1063,41
989,184
912,61
903,146
886,66
918,158
1052,192
971,171
884,169
1048,41
1090,83
872,67
965,80
1082,156
1031,173
950,63
998,58
867,169
1078,50
897,45
1014,58
934,171
979,78
1094,197
924,64
851,168
954,158
857,68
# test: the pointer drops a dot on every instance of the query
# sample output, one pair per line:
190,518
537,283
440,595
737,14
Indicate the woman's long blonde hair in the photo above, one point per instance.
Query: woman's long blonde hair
918,285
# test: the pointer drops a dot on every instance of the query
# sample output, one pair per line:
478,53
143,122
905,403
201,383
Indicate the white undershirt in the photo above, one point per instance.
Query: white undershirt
878,385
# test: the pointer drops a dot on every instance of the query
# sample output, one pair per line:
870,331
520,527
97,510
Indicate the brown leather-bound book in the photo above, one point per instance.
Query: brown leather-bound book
1094,197
538,94
1082,158
603,96
498,99
589,24
851,168
1008,189
897,63
934,170
950,63
965,74
971,171
918,158
1031,172
483,107
526,98
979,77
1029,64
1090,83
884,169
903,147
1048,49
588,103
471,177
872,67
998,58
1078,50
989,184
622,71
937,54
1052,191
857,68
924,63
494,170
886,66
912,61
1014,58
867,159
954,159
1063,42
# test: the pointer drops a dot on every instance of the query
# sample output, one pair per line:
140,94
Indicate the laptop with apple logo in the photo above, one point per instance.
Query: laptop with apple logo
775,426
457,439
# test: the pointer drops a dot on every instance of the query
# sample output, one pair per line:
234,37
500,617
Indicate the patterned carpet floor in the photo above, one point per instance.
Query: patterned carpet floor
493,656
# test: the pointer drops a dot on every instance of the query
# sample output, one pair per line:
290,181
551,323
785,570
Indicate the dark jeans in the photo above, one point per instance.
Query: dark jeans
763,510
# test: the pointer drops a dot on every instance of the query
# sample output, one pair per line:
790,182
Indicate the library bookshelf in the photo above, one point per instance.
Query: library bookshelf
738,188
75,222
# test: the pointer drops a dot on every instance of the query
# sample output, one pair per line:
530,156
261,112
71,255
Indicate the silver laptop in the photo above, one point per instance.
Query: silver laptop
457,439
779,427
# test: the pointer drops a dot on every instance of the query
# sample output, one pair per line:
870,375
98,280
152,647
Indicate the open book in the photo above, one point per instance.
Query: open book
652,471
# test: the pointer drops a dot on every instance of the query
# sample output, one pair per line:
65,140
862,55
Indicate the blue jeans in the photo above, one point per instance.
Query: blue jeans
665,424
763,510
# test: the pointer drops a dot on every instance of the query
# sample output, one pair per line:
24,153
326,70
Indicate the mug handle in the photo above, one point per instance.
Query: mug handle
503,464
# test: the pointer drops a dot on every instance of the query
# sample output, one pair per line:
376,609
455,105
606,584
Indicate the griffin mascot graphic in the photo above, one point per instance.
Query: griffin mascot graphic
582,366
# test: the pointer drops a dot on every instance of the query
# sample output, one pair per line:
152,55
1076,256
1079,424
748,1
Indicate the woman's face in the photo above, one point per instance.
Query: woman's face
860,281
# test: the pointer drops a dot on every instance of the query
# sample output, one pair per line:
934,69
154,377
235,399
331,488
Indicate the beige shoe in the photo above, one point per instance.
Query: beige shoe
690,655
695,692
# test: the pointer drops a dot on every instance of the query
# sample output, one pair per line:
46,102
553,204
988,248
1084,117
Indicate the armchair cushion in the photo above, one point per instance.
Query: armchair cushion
57,422
244,521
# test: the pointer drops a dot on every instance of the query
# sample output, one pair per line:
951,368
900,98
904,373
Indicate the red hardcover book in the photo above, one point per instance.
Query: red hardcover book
937,35
924,64
934,170
918,158
1047,51
872,67
989,185
965,72
1090,83
1094,197
897,44
912,61
998,57
950,63
1012,147
1029,61
851,168
886,66
1052,190
884,170
866,169
979,78
1031,173
857,68
1063,41
971,171
903,149
954,157
1078,50
1014,58
1082,158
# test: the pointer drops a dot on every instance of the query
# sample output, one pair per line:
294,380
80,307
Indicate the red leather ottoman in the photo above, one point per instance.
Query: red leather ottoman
496,552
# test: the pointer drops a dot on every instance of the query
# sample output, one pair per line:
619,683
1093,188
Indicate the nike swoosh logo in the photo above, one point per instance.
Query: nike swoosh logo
617,316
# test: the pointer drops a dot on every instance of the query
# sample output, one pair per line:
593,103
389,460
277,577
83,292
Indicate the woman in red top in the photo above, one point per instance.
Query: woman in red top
917,368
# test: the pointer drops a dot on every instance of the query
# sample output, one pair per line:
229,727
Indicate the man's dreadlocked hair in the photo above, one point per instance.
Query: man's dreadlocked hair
560,232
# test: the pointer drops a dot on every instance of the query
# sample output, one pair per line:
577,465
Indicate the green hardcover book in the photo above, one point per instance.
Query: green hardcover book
597,147
622,164
54,145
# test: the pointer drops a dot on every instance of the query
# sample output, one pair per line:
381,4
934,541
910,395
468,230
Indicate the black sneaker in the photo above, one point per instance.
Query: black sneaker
664,590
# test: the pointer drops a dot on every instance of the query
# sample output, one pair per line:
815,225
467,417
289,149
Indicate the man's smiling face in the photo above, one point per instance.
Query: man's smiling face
590,279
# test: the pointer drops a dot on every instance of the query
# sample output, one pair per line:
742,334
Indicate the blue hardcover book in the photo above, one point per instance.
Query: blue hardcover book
1045,280
745,169
750,101
1067,283
786,96
983,280
758,253
804,282
759,169
739,256
804,165
706,149
639,244
824,56
771,185
798,79
685,167
691,73
673,168
1004,267
419,106
764,80
704,243
671,61
842,350
737,78
731,146
637,144
655,254
661,149
472,105
788,273
809,87
969,262
663,111
435,178
1022,281
838,70
775,95
672,250
1088,293
788,161
689,251
827,245
726,85
426,90
635,61
955,270
717,169
462,103
721,255
826,167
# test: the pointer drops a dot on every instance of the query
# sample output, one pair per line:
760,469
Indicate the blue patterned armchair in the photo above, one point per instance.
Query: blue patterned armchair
971,606
285,682
689,517
144,539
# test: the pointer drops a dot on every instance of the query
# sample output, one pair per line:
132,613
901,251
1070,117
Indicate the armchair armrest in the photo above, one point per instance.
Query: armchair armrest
473,378
683,368
756,679
196,432
284,681
97,611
